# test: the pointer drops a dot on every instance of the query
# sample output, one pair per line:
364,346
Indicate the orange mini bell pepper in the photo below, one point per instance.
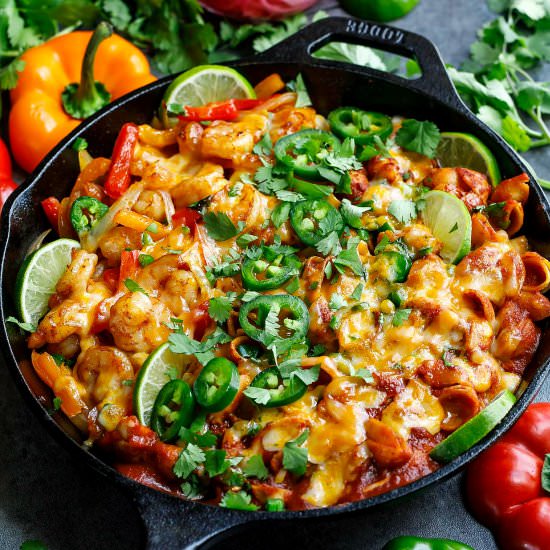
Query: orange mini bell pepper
58,87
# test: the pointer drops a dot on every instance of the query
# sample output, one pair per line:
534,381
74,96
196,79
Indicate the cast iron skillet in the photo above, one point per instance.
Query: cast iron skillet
170,522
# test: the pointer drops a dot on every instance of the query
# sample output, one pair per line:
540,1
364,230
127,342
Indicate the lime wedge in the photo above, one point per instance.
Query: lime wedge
475,429
157,371
467,151
204,84
450,222
38,277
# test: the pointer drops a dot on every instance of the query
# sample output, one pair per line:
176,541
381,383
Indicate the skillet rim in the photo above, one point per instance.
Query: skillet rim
135,487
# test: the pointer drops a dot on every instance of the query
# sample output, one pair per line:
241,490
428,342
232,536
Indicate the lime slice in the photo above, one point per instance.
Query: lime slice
204,84
38,277
467,151
157,371
475,429
450,222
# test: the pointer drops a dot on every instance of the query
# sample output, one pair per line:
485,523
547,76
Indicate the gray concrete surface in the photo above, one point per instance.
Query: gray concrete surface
45,495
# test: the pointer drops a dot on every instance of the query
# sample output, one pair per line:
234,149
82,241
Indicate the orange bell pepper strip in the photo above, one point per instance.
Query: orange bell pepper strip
47,104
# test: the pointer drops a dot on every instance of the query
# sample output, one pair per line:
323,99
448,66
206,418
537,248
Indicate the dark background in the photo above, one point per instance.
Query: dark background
46,495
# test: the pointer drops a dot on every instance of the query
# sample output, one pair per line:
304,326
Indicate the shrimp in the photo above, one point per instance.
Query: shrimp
172,279
102,370
233,140
73,304
115,241
151,204
208,180
471,187
138,322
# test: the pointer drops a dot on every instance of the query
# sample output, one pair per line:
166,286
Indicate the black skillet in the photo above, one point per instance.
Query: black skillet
171,523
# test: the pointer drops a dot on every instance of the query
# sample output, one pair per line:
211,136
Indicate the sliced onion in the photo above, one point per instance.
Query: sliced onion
168,206
84,158
90,240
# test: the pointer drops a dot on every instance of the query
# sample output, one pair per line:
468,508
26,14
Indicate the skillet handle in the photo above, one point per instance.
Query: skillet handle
434,82
176,524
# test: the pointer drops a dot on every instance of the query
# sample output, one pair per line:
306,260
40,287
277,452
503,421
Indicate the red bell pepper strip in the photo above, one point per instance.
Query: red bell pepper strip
223,110
504,484
51,208
188,217
118,178
7,185
201,320
111,277
129,267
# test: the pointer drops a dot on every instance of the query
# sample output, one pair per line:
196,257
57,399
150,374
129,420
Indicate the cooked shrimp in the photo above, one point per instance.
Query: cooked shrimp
151,204
138,322
115,241
102,370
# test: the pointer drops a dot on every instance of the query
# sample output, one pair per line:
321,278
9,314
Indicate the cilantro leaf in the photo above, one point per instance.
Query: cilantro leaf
219,226
294,456
400,316
191,488
28,327
402,210
349,258
358,292
366,375
261,396
255,467
215,462
189,459
336,302
329,245
352,213
220,308
280,214
299,86
419,136
238,501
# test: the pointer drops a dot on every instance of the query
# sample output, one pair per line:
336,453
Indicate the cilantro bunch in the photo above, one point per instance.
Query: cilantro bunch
497,81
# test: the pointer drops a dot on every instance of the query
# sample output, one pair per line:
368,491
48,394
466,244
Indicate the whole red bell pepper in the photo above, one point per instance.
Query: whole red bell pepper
505,485
7,185
118,177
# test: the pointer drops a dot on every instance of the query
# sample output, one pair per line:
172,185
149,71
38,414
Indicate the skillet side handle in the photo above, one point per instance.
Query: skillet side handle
175,524
434,81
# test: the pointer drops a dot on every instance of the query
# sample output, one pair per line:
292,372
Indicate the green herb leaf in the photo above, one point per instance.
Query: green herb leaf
219,226
419,136
132,286
255,467
400,316
403,211
57,402
358,292
261,396
329,245
238,501
220,308
274,505
215,462
145,259
366,375
80,144
352,213
189,459
28,327
295,456
245,239
299,86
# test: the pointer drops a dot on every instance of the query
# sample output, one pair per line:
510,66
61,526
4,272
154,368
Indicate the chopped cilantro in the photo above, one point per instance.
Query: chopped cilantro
145,259
219,226
220,308
275,505
400,316
238,501
260,396
255,467
189,459
132,286
295,456
366,375
336,302
419,136
245,239
402,210
299,86
57,403
352,213
280,214
80,144
28,327
358,292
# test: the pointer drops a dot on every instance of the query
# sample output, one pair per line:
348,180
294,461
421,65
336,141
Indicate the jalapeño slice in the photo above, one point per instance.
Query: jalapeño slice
304,151
362,126
172,410
314,219
263,274
217,384
281,392
292,319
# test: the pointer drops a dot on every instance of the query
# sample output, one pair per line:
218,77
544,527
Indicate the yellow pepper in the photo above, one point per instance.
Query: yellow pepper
48,102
